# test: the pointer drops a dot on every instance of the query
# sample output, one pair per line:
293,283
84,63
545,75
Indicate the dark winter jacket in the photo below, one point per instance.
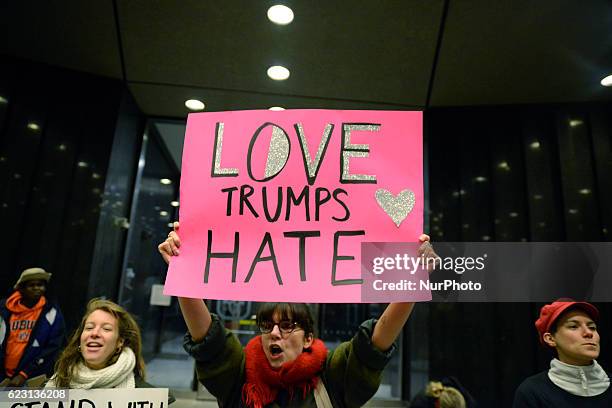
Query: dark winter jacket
351,375
539,391
45,342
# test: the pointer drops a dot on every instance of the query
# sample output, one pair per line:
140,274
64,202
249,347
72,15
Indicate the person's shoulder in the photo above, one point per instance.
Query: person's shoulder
535,381
141,383
51,303
529,392
368,325
534,386
52,312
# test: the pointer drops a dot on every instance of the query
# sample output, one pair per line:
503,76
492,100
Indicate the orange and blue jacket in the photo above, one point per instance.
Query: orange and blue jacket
30,338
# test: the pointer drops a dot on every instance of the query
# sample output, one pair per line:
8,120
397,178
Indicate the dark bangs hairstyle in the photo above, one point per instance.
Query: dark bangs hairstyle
295,312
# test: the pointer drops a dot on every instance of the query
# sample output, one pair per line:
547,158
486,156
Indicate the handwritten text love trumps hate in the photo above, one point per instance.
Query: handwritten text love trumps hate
279,198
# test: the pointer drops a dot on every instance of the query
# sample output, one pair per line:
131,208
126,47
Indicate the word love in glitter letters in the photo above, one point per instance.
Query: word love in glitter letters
279,151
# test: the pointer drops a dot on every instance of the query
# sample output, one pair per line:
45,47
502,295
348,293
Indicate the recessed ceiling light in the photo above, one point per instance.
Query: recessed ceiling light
503,165
280,14
163,213
513,214
82,164
535,145
480,179
584,191
276,108
278,73
174,203
575,122
3,99
194,104
607,81
33,126
165,181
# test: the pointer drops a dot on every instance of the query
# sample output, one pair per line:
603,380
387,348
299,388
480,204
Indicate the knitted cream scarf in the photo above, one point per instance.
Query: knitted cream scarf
118,375
585,381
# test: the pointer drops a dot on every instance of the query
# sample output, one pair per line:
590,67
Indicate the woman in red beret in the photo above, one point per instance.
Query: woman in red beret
574,378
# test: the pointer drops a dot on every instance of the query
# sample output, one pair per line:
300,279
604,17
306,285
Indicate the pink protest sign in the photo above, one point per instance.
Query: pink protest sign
275,204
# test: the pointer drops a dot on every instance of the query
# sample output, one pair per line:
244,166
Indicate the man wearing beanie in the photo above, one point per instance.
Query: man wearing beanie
574,378
31,330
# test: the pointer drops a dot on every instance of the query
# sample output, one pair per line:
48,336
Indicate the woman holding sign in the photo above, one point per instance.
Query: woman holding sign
286,365
104,352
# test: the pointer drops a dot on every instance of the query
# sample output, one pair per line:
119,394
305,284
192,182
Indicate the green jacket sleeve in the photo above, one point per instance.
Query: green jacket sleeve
354,369
219,362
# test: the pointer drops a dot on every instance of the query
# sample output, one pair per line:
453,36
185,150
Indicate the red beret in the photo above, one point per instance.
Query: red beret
550,313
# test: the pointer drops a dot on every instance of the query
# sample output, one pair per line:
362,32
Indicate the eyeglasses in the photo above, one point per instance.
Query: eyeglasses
285,326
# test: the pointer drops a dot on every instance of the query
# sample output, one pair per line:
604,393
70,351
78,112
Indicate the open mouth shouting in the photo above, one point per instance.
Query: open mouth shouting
276,352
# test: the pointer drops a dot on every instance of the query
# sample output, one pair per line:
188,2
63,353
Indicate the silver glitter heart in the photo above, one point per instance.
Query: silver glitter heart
397,207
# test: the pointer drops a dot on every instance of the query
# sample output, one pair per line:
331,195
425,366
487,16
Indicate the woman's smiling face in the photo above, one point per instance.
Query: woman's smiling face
99,339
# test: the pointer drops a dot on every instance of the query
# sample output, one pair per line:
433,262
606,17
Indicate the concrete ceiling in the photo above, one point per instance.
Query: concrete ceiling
342,54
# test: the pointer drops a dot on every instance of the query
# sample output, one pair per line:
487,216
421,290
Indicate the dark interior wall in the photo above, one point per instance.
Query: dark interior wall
56,134
524,173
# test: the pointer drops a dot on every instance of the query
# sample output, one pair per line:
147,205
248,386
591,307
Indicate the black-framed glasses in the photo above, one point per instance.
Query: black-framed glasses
285,326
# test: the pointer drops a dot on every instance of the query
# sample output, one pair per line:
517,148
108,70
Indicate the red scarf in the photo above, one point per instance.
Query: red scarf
263,382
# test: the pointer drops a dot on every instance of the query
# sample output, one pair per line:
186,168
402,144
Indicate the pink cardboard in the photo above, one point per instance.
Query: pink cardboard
393,272
392,141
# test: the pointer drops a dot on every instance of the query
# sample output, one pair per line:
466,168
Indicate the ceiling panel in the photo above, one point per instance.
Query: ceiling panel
522,51
169,101
342,55
75,34
359,50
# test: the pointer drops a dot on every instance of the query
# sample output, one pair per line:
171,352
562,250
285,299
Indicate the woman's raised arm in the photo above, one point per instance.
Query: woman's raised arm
394,317
196,314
